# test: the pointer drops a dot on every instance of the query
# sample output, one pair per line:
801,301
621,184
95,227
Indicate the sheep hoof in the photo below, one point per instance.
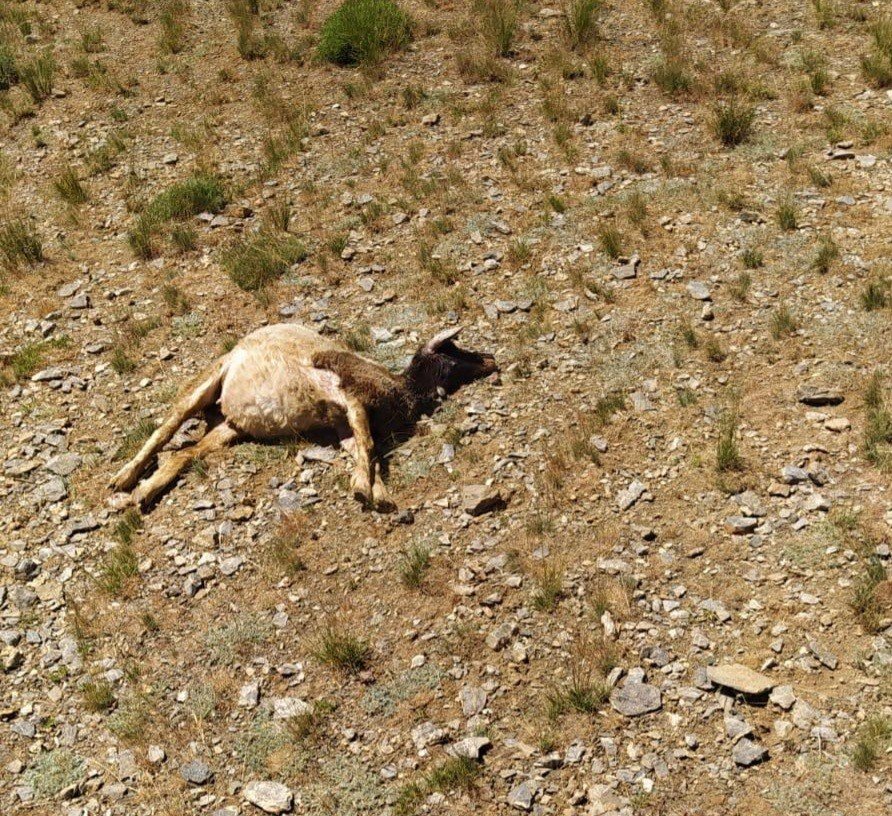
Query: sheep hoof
121,501
123,480
362,492
383,502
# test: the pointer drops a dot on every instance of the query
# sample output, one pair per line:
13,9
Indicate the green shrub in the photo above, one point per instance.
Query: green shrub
260,259
362,31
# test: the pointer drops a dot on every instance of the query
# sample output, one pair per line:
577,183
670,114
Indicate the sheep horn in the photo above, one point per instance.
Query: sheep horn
438,339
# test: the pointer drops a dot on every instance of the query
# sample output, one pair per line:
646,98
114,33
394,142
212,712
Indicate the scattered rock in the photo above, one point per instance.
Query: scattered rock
270,797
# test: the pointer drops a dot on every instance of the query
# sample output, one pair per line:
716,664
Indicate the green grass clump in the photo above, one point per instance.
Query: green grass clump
752,258
98,696
727,453
874,739
362,31
876,295
257,261
827,254
865,601
549,588
70,188
9,69
783,324
497,22
414,565
20,244
37,76
119,565
128,526
456,773
877,65
611,241
185,199
342,650
581,22
672,77
878,428
732,122
787,215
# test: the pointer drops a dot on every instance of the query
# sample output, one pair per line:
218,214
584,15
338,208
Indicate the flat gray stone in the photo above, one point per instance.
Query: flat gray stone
473,700
699,290
477,500
740,678
816,395
64,464
469,747
634,699
626,498
521,796
196,772
747,752
270,797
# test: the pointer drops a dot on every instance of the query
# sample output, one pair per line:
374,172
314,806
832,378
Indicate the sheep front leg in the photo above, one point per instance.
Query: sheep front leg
366,483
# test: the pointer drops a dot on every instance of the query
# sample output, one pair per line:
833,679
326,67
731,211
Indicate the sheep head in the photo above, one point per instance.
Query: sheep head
440,367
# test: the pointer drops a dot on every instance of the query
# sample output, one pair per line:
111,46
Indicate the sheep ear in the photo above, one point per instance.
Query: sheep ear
439,339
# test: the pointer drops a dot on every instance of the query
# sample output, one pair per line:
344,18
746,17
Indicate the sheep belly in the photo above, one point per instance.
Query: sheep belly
273,401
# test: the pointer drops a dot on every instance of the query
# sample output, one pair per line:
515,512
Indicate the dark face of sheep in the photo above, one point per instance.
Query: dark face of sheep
440,367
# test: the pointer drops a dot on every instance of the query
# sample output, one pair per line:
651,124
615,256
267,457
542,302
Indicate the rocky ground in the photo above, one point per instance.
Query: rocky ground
645,569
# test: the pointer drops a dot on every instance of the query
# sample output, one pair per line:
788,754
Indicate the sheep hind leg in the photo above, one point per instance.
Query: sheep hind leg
192,403
217,439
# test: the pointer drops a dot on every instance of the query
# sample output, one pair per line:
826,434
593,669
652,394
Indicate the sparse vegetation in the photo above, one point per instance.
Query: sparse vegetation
53,771
455,773
787,215
581,22
118,567
611,241
98,695
827,254
583,690
549,587
876,295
